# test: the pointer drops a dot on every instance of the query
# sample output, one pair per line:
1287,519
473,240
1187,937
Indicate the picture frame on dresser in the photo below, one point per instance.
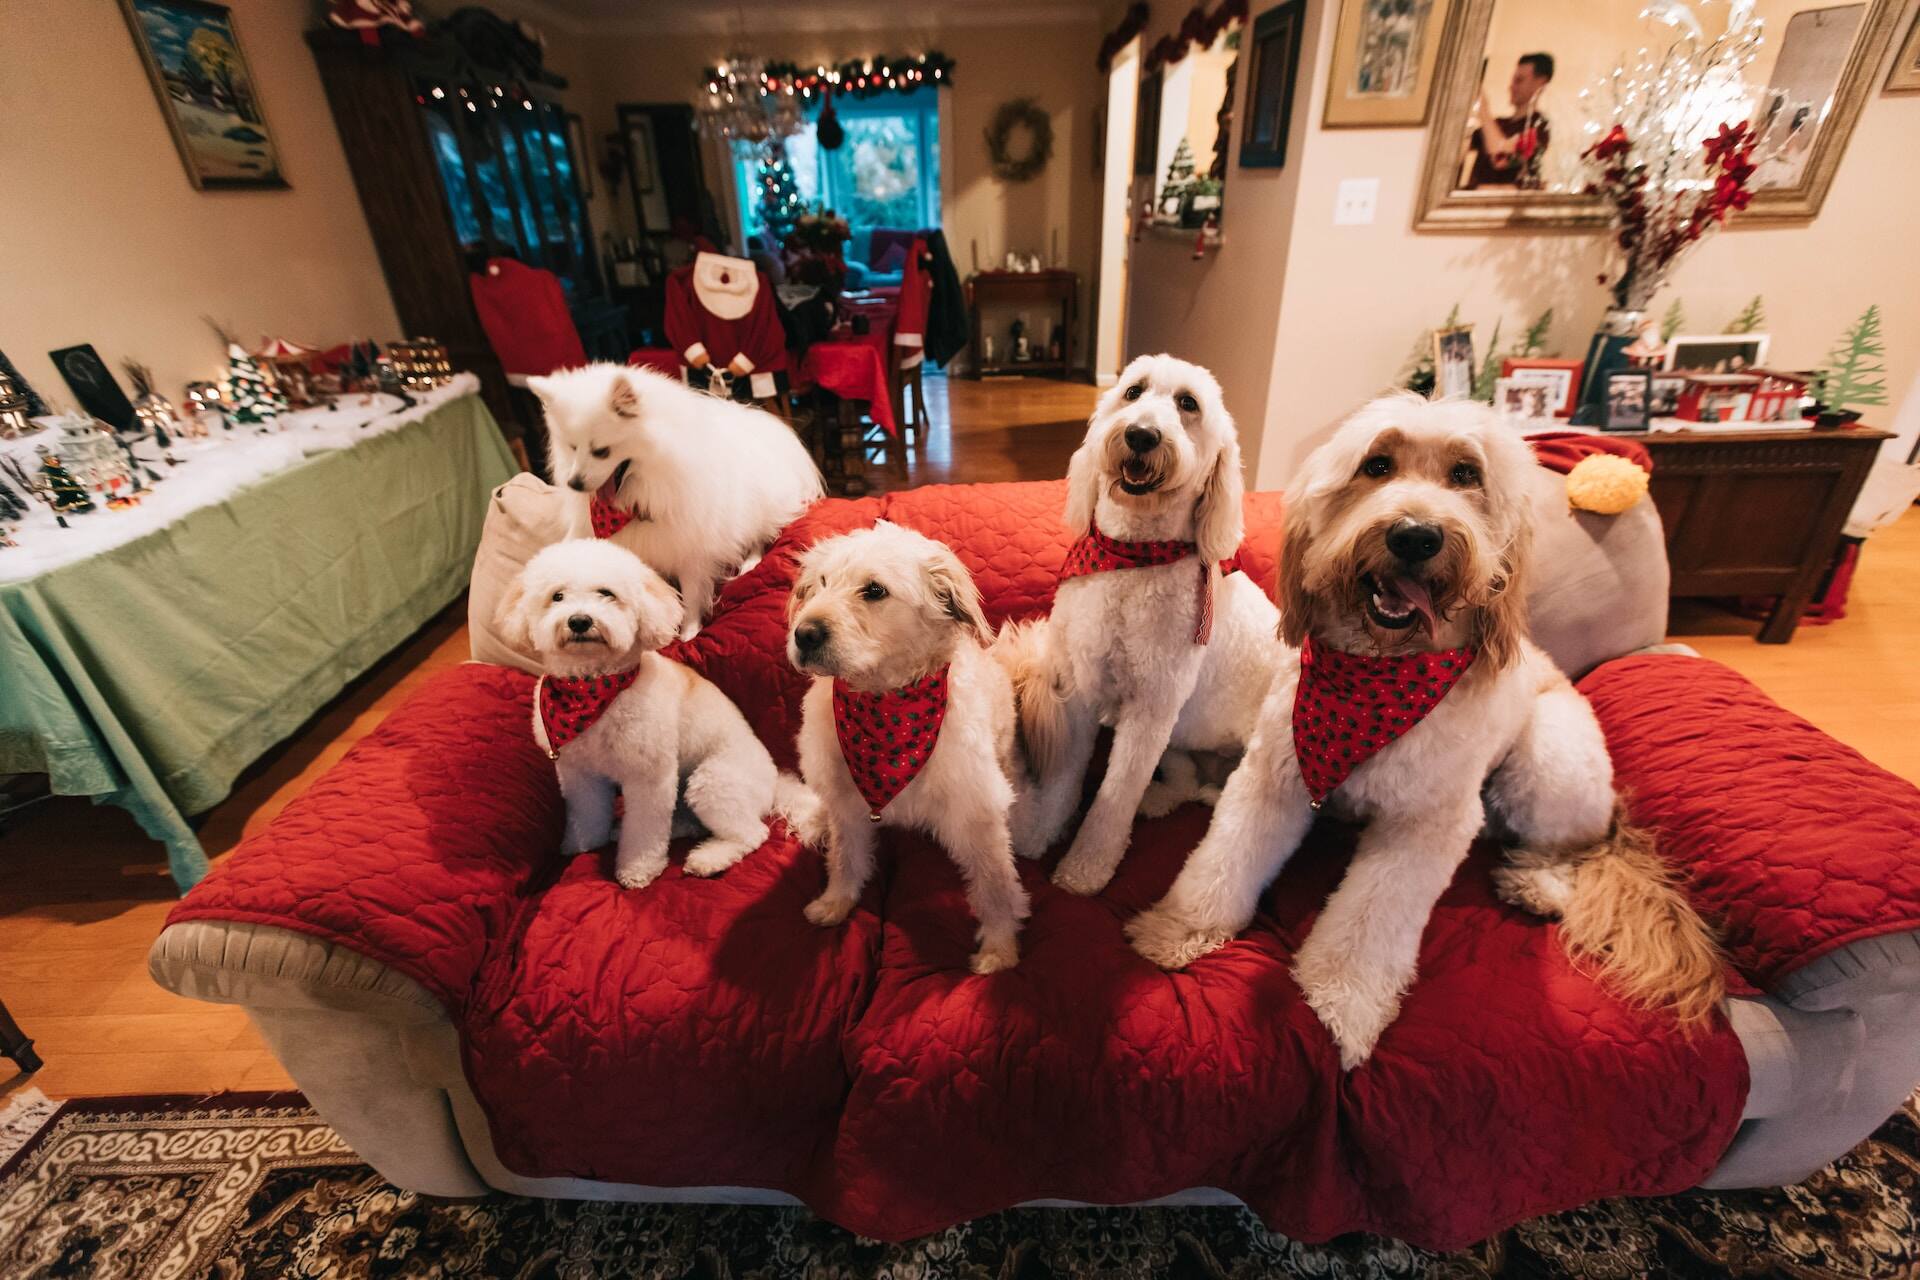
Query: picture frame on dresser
1715,352
1563,374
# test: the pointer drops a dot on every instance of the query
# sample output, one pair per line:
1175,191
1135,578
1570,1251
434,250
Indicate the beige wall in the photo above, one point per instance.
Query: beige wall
1223,309
1049,59
1356,298
104,240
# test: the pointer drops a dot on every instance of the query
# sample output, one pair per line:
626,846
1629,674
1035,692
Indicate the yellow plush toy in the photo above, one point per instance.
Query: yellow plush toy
1605,483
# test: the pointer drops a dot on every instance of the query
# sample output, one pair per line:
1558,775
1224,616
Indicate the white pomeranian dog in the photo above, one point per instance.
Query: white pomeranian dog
694,485
615,716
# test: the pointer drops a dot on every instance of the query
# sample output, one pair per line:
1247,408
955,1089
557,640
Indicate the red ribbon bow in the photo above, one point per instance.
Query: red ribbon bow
569,705
1095,552
887,737
1349,706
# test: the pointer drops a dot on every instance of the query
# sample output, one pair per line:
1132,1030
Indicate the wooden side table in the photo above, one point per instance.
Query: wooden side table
1757,512
1057,290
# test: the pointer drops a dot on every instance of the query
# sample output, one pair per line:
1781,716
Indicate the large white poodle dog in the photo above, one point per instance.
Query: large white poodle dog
1146,635
694,485
909,722
1418,705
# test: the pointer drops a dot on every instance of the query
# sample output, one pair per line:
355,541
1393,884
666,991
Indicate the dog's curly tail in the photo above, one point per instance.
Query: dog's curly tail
1622,910
1039,691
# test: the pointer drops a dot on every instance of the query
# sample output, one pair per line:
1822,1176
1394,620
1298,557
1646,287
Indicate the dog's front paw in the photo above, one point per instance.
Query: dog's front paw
1161,799
830,909
1353,1012
992,957
1171,941
715,856
638,873
1090,863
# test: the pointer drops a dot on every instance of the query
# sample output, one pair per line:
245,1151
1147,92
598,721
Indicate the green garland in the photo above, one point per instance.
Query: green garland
1018,113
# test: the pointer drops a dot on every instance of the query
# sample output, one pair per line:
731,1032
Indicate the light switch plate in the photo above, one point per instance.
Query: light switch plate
1354,205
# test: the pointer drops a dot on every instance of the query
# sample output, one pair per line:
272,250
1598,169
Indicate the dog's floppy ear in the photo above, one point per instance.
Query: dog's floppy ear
1083,484
1503,616
513,615
953,590
1295,601
624,398
657,608
1218,521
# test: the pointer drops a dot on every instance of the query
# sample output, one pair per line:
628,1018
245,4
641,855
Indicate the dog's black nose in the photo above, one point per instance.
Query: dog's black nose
809,636
577,485
1414,542
579,624
1141,439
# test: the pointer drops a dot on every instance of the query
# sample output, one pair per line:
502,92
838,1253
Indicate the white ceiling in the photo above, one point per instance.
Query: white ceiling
748,17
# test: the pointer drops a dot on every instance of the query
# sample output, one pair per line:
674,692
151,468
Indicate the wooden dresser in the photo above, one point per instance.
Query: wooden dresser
1757,512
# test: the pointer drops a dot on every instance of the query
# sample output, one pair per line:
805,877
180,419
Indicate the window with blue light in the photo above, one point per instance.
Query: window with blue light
886,173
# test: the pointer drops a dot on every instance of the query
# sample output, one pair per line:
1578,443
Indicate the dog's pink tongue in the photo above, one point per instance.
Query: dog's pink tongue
1401,593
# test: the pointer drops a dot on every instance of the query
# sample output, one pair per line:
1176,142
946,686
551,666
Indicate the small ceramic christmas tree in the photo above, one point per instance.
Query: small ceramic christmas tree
1534,341
1673,321
1179,179
1848,377
1751,317
246,389
1489,368
780,204
64,492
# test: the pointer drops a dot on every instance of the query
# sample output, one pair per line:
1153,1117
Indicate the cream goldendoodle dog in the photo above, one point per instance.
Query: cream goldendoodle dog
1417,704
695,486
616,716
909,722
1146,635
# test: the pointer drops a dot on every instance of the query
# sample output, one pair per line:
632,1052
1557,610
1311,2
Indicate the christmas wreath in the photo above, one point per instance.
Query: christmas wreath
1020,113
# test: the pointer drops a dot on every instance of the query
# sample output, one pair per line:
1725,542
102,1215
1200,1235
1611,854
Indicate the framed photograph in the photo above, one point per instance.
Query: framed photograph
1270,86
192,54
1453,362
1664,401
1716,353
1628,393
1526,401
93,385
1905,76
1384,53
1563,374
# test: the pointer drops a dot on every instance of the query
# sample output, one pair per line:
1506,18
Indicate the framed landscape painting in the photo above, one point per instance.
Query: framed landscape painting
206,91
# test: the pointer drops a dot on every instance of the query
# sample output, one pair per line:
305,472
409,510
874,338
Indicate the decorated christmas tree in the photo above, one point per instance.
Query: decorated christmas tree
1173,188
64,492
780,204
1848,377
246,389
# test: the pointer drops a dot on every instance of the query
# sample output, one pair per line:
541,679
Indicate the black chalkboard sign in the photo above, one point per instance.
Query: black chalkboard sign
93,385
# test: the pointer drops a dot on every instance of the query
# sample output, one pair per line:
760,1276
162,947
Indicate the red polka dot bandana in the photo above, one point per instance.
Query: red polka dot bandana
1348,706
570,704
886,738
609,517
1095,552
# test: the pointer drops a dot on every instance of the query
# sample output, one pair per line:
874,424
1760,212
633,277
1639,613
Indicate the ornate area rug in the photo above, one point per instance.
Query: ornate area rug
256,1185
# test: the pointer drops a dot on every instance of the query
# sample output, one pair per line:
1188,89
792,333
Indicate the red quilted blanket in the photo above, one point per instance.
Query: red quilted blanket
702,1033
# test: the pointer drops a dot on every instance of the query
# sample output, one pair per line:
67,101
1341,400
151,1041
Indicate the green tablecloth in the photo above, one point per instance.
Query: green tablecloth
150,675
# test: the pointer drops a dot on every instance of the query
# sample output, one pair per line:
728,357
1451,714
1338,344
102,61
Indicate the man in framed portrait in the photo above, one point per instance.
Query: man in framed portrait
1507,150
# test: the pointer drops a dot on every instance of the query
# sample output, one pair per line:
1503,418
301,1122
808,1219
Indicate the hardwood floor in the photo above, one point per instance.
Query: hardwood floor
82,893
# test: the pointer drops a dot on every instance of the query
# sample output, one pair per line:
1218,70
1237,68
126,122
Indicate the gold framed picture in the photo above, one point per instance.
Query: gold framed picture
1905,76
1384,53
191,50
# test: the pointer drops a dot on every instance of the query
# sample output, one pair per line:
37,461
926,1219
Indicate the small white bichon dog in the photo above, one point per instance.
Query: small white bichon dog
616,716
909,723
695,486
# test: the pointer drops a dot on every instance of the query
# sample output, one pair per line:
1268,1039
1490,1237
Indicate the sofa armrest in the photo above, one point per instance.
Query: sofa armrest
418,849
1796,845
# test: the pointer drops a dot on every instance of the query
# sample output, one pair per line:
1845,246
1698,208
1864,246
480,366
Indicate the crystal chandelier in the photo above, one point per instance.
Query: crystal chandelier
743,102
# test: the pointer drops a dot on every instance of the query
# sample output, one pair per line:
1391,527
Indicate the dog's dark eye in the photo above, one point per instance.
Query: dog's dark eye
1187,403
558,596
873,591
605,594
1378,465
1464,474
603,451
1134,391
